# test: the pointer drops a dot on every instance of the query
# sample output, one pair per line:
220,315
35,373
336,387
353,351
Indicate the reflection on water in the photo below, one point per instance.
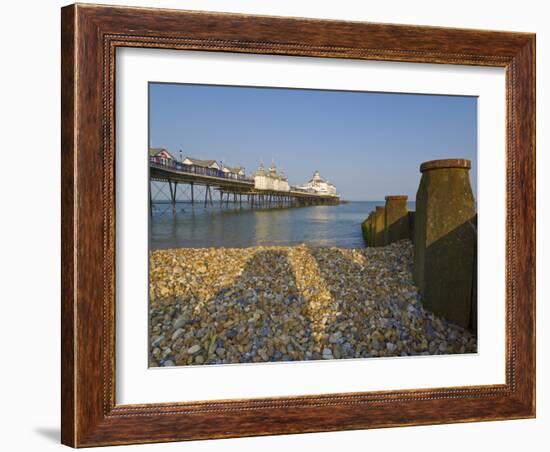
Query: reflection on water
240,227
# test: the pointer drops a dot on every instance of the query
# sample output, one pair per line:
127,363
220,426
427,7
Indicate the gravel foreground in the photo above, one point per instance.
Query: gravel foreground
291,303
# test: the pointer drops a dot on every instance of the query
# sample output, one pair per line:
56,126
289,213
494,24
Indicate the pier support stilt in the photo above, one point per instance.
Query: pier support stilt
173,194
150,199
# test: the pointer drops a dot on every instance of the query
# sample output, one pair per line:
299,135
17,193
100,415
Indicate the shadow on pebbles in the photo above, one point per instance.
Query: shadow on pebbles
292,303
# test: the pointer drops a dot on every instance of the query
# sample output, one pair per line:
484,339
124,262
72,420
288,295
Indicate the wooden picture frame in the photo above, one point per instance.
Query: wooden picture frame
90,36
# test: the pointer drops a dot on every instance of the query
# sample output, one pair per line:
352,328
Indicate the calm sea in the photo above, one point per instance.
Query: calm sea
232,227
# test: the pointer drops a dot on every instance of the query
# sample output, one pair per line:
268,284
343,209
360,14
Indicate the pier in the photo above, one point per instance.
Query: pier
228,187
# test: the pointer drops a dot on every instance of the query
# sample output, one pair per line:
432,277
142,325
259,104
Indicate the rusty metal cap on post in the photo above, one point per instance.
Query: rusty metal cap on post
396,198
445,163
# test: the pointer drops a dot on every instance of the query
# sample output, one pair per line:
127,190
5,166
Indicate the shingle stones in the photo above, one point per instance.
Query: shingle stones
294,303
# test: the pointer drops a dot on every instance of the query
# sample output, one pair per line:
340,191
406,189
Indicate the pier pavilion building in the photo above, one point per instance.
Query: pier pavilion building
161,156
270,179
318,185
233,172
206,167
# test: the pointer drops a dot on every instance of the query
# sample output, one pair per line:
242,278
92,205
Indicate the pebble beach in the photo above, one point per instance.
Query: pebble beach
291,303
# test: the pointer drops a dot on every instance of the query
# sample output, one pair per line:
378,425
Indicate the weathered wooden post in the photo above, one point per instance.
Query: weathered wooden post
411,224
379,221
473,314
445,239
371,230
396,219
366,229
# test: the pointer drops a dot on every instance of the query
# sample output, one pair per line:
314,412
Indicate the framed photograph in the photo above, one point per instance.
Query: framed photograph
282,225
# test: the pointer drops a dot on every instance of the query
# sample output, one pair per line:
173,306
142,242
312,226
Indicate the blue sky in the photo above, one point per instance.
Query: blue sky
368,144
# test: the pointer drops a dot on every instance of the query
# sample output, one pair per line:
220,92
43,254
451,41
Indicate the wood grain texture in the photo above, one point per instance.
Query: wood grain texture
90,36
68,244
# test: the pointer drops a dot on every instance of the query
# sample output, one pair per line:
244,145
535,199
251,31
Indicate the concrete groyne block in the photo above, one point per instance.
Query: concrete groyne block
445,239
367,229
379,221
372,229
473,314
396,219
411,217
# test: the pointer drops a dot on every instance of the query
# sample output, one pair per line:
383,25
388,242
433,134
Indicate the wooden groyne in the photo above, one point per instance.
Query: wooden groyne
444,232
